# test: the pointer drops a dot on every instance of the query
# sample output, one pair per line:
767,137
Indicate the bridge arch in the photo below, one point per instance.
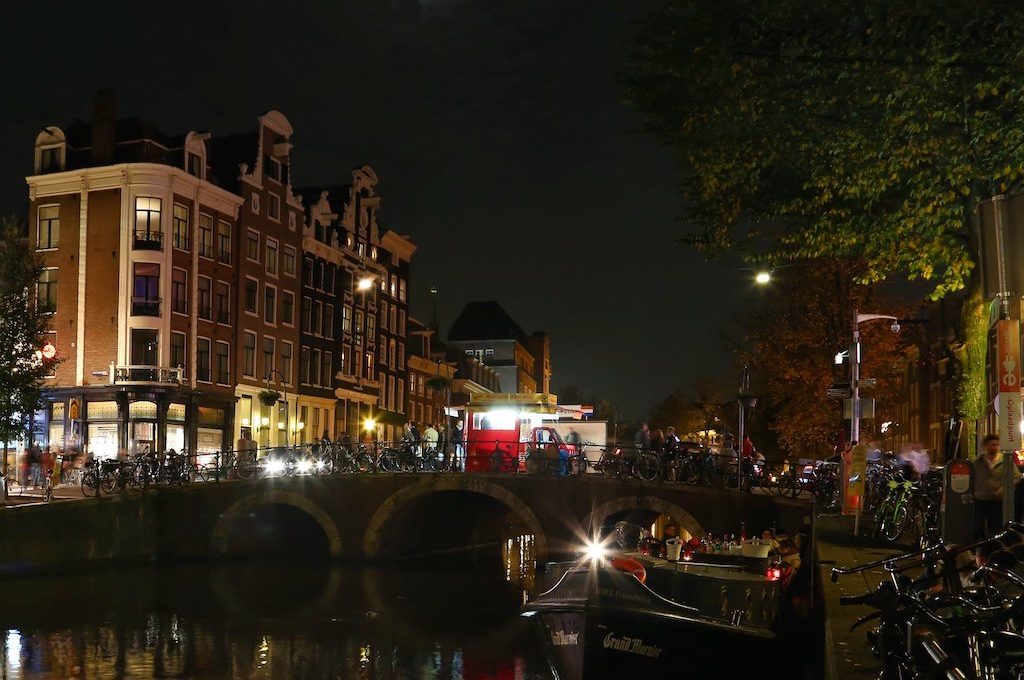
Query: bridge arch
222,529
653,503
472,484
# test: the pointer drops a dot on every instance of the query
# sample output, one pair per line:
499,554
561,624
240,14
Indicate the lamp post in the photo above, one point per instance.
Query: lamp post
280,375
744,400
858,319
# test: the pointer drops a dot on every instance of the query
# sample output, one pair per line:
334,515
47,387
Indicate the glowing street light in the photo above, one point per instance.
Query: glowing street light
365,283
369,425
763,278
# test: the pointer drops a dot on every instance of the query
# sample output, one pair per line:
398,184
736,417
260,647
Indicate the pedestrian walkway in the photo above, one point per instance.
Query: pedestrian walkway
35,495
847,654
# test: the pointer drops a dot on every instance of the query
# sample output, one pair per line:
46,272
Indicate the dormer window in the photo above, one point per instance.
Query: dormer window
195,165
51,150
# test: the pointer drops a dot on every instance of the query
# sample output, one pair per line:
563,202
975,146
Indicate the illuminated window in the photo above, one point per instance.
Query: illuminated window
48,229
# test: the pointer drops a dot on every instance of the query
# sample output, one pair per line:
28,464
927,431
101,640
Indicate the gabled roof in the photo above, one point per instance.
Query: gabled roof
484,320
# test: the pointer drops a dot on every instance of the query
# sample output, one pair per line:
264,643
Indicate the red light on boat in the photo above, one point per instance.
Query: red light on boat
773,573
687,556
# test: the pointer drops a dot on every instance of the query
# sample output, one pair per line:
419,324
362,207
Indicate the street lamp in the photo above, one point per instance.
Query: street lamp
858,319
763,277
745,400
365,283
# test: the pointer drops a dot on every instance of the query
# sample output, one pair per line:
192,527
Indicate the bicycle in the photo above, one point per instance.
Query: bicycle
48,486
91,476
11,484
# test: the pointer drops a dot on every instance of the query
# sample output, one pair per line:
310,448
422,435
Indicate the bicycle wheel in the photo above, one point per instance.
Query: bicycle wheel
90,484
578,464
686,471
646,468
245,465
712,474
609,465
48,490
323,464
108,481
897,523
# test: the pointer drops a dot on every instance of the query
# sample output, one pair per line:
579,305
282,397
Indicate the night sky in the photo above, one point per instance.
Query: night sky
497,129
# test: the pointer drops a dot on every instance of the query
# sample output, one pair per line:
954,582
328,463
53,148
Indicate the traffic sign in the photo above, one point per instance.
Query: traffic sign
867,408
867,382
840,392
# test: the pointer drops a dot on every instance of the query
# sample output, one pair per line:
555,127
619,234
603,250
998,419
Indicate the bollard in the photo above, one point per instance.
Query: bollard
216,469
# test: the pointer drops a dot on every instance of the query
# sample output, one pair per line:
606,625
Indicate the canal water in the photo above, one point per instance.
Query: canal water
274,619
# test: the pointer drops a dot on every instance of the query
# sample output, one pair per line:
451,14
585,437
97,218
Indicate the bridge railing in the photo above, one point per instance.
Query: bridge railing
687,465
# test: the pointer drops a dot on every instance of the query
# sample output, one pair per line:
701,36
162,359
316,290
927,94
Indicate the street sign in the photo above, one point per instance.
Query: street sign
1008,362
867,382
840,392
867,408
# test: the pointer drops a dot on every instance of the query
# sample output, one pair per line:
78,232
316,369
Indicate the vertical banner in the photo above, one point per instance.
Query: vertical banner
856,470
1007,361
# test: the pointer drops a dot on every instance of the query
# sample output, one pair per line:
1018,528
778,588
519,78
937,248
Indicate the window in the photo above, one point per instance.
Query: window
271,256
205,290
179,291
401,322
326,373
382,347
369,364
221,369
144,348
329,278
329,322
307,312
286,361
304,365
249,354
394,327
360,248
288,261
318,274
314,367
401,290
195,165
179,226
147,218
394,286
49,159
224,242
251,294
46,291
252,246
384,315
346,319
268,355
206,236
272,168
48,229
316,325
273,207
371,326
203,360
291,221
392,351
223,303
287,308
146,289
359,326
307,271
401,356
178,357
344,366
400,394
270,304
254,201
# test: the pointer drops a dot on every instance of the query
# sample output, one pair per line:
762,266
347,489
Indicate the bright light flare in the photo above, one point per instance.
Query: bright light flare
275,467
304,466
365,283
763,278
369,425
595,551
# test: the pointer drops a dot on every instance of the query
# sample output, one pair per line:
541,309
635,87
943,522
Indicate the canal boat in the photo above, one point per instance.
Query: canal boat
623,611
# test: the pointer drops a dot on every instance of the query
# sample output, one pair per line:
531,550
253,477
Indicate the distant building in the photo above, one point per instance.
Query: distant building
485,331
427,399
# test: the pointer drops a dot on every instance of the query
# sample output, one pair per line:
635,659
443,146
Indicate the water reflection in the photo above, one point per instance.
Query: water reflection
272,620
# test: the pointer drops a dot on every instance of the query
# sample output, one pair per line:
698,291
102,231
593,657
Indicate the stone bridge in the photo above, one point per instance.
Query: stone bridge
364,518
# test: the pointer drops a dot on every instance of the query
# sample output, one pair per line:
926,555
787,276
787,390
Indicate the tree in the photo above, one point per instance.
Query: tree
692,410
868,131
23,328
791,345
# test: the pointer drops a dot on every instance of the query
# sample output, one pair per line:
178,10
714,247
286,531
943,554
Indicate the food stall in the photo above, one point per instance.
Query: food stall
503,430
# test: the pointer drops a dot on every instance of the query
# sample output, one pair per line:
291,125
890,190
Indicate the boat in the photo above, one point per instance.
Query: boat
624,611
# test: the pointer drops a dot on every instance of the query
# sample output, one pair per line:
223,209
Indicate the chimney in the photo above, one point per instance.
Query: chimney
103,126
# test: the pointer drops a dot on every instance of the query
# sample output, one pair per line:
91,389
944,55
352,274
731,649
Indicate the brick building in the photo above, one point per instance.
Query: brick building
426,403
115,210
268,239
356,271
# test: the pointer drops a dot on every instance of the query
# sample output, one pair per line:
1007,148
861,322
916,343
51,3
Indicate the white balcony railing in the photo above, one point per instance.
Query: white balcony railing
145,374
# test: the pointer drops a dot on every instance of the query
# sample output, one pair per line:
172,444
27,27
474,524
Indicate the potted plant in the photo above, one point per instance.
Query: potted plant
269,397
437,382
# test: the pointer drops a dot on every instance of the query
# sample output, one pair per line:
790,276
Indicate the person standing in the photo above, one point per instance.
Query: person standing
458,444
669,450
430,439
35,461
642,439
988,488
